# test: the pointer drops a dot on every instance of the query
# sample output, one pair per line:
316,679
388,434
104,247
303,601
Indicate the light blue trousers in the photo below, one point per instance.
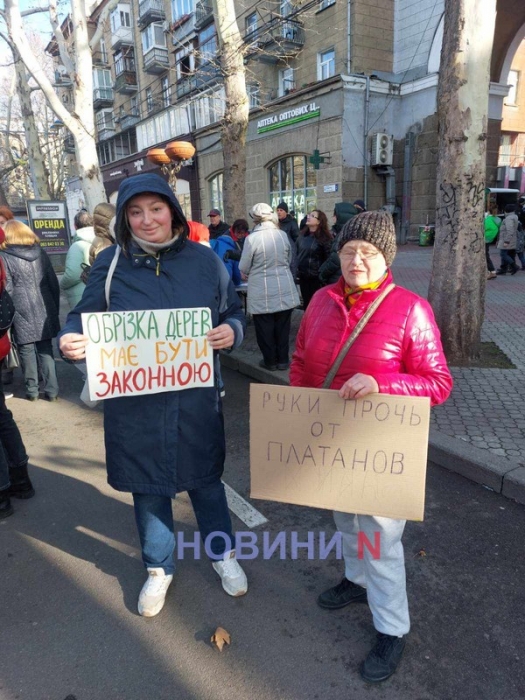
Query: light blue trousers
383,577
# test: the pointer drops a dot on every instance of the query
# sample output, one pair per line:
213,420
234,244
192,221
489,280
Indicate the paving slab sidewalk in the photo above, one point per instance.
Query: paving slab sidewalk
479,431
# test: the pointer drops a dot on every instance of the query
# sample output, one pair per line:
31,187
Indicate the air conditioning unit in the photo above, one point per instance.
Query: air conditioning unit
382,149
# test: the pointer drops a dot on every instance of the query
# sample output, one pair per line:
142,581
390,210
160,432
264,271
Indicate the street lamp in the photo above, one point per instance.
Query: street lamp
171,159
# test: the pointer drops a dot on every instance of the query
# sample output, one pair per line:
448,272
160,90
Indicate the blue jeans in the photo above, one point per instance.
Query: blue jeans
28,358
155,524
12,450
507,259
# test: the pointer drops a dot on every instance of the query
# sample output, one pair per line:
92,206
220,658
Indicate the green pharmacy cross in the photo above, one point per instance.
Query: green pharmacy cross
316,159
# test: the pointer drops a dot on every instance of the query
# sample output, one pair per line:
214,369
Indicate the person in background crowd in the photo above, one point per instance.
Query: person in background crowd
398,352
5,215
33,285
507,241
158,445
198,233
521,210
217,225
492,223
6,374
223,245
14,479
286,222
360,206
272,294
103,216
77,257
239,230
313,248
330,270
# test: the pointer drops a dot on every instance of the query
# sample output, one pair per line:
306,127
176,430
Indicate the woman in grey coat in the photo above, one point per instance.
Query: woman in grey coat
272,294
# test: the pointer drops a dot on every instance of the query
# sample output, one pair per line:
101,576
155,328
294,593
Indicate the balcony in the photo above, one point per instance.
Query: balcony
151,11
203,13
156,60
69,145
123,36
202,78
126,80
62,79
128,120
100,58
276,40
102,97
105,132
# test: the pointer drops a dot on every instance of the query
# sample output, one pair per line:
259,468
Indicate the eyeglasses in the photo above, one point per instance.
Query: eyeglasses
312,216
363,254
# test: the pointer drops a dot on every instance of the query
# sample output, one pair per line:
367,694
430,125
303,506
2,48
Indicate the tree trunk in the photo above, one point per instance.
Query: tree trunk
235,120
37,168
457,285
81,121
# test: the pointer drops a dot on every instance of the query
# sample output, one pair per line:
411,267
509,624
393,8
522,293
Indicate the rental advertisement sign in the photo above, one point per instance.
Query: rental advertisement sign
49,221
147,352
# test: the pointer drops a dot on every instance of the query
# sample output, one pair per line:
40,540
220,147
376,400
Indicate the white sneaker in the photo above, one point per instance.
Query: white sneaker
153,593
8,394
233,578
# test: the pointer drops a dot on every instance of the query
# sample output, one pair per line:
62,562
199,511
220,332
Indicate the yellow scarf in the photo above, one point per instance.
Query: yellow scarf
352,294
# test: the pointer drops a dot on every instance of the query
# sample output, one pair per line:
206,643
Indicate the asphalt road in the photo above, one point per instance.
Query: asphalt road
70,574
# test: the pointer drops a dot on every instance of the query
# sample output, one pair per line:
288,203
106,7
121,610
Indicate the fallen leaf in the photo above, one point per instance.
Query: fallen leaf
421,553
220,637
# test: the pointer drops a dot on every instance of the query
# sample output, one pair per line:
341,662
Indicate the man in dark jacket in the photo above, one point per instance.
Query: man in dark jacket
286,222
217,226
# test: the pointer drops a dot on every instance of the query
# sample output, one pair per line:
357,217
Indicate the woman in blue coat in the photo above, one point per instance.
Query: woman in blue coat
158,445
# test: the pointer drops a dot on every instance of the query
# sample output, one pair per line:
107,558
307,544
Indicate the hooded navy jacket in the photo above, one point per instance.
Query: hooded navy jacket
173,441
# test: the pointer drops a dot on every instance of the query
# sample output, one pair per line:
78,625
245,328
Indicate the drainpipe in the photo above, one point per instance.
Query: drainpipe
410,140
348,37
365,140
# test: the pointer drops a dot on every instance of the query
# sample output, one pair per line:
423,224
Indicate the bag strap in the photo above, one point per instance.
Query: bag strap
110,273
357,330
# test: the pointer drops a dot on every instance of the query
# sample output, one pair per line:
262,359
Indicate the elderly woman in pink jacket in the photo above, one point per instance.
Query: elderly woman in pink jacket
398,352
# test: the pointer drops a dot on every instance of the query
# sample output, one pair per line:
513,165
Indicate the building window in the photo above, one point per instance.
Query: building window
207,45
103,51
513,81
104,119
286,81
165,91
102,78
124,60
286,8
325,64
179,8
120,17
152,36
251,25
216,192
184,62
323,4
150,104
505,149
254,95
134,106
293,181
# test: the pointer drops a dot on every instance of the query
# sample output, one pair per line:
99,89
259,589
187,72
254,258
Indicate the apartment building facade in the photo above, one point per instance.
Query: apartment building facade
342,99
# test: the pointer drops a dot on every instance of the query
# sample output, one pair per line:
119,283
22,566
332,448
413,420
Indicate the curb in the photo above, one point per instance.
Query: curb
504,476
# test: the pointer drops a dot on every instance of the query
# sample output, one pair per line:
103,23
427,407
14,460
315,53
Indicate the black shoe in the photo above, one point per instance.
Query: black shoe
263,364
30,397
501,272
383,659
51,398
514,270
283,366
21,486
6,509
342,595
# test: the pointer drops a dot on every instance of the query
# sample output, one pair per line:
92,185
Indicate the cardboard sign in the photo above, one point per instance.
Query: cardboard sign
310,447
147,352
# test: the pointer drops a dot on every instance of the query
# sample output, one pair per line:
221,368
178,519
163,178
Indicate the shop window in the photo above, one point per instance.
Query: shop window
325,64
216,192
293,181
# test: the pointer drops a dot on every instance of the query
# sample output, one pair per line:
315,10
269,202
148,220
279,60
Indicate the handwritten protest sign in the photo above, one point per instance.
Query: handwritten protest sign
147,352
312,448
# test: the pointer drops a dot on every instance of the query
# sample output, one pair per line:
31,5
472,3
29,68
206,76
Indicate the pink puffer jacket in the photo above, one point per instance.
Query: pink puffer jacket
400,345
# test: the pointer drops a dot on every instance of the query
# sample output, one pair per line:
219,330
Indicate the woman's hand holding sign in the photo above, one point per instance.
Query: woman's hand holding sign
221,337
358,386
73,346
